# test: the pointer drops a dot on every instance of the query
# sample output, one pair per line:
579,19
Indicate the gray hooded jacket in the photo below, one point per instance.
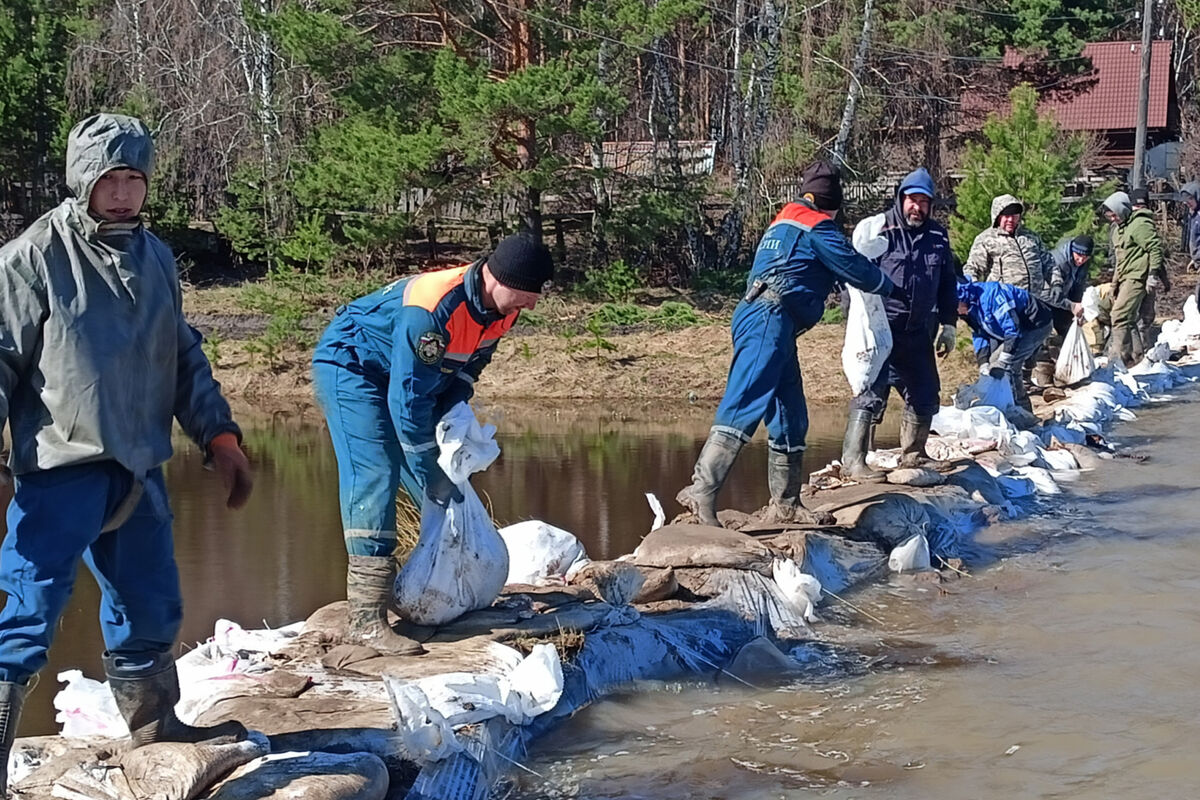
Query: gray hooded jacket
95,355
1020,259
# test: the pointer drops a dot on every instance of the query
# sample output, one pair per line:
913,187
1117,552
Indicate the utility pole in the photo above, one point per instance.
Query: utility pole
1137,179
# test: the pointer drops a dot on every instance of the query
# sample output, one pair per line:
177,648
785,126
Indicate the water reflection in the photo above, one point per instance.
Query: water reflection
281,557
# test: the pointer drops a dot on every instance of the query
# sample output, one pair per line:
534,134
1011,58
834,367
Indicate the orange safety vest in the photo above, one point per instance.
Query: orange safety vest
467,336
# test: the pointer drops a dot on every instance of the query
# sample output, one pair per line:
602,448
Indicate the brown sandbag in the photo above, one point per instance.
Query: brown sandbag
659,584
703,546
308,776
614,582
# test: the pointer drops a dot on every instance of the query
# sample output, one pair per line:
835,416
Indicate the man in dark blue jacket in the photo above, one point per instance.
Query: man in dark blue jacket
918,260
1009,325
798,259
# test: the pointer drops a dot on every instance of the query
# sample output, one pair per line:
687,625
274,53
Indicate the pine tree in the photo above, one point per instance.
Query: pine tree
1026,155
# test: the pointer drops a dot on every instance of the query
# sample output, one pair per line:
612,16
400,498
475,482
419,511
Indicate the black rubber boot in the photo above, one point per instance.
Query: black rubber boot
12,698
914,434
785,479
856,445
369,584
712,467
146,688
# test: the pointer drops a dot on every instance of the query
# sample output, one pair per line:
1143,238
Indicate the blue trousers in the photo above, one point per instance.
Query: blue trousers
54,519
371,463
764,382
911,368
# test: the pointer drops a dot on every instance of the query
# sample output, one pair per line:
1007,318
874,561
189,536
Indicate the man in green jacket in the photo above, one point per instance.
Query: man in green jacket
96,361
1138,256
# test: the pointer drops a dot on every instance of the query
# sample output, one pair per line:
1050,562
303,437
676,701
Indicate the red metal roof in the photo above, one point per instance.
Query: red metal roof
1111,102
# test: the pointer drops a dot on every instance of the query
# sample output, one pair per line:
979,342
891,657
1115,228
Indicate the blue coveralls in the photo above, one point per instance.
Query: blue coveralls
1004,319
385,371
919,260
798,259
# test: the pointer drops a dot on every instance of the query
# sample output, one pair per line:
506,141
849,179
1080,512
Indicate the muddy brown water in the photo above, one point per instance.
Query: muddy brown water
1067,668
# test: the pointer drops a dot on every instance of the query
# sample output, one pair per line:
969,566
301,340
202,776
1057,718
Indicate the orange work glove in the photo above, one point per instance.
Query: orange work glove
227,458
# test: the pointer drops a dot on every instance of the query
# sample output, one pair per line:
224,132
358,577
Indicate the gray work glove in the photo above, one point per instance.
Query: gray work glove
946,341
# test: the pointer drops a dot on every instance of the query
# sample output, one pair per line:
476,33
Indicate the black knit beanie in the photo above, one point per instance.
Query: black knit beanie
822,180
521,262
1139,196
1083,245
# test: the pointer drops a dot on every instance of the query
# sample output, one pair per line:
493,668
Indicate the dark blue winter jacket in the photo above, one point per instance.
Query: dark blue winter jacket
919,260
800,256
1000,312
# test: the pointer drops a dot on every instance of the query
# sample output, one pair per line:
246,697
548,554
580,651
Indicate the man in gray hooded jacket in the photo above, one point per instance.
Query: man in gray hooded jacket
96,360
1008,252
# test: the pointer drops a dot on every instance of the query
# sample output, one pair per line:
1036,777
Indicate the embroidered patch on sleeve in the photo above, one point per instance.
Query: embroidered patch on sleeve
431,347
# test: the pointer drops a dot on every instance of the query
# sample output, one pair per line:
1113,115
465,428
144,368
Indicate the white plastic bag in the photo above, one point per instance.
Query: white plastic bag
1091,303
868,238
1075,363
460,563
911,555
538,551
801,588
87,708
429,710
868,340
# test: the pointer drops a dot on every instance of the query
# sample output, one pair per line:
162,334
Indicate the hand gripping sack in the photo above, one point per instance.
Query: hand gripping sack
1075,361
868,340
460,562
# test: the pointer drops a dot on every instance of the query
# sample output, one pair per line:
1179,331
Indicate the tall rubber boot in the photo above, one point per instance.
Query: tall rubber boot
785,478
712,467
146,688
12,699
369,584
855,446
1020,393
914,434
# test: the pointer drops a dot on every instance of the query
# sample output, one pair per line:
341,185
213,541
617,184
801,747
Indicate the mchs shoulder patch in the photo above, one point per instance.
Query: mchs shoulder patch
431,347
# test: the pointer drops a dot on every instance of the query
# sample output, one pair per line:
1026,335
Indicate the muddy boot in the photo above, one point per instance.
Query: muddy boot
12,698
146,688
716,459
785,478
369,584
914,433
855,446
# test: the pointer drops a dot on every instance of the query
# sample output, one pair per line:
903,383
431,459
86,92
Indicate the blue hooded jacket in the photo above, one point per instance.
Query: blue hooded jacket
1000,312
919,260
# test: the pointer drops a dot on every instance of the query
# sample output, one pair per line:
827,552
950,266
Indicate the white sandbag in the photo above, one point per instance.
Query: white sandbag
460,563
1042,480
985,423
429,710
1075,363
538,551
1058,460
1022,448
868,340
87,708
465,446
801,588
868,238
1159,353
911,555
1091,303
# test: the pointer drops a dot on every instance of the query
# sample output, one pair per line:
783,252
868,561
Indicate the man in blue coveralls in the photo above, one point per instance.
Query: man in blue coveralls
918,260
388,367
95,361
1009,325
798,259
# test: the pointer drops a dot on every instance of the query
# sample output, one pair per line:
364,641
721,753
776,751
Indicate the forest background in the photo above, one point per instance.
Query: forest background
309,151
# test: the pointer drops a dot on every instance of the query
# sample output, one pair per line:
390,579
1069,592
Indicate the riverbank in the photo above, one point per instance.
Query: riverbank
555,364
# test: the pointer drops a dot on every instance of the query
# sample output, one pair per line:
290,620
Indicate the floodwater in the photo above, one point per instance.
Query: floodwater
1067,668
